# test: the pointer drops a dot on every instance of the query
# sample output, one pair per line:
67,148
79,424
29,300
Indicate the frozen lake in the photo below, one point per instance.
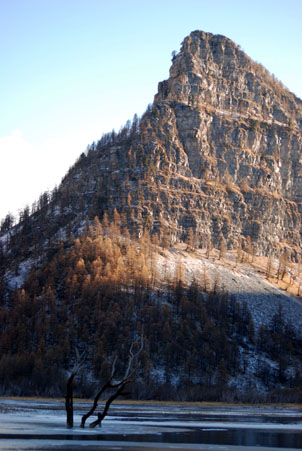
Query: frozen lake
40,425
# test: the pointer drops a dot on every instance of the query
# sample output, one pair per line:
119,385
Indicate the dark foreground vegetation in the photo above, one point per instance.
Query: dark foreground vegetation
99,292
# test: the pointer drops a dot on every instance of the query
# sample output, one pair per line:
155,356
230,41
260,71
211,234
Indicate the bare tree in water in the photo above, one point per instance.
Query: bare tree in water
80,359
117,385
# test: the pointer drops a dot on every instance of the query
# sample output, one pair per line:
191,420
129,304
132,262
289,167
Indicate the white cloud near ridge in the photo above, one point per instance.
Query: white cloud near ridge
27,170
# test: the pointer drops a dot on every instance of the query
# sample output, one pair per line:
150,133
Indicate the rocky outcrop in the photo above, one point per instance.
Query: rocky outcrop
219,152
229,136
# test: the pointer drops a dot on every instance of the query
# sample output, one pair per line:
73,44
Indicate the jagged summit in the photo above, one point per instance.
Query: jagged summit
205,60
211,70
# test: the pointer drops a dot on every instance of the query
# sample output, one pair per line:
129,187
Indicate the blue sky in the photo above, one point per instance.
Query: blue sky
74,69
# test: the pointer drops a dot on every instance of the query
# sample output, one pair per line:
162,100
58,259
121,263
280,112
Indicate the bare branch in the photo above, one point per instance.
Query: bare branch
113,367
80,359
119,385
102,415
132,358
95,404
108,384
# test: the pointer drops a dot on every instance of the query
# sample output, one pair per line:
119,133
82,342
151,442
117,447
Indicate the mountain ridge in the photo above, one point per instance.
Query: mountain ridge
215,163
209,136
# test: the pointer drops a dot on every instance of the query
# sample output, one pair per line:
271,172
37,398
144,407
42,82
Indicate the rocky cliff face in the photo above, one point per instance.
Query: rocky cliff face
219,152
237,132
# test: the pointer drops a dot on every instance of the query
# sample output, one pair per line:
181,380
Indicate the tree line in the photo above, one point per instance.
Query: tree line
98,291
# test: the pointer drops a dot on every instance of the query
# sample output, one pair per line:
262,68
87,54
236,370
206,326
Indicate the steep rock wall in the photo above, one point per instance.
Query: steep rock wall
222,121
218,151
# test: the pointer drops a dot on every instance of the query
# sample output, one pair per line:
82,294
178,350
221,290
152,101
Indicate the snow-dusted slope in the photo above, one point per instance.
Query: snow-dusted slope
245,281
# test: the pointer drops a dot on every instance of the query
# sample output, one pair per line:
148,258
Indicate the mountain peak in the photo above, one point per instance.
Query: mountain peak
215,162
212,70
218,152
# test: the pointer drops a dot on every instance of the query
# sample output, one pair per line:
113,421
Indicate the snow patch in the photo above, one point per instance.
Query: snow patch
262,298
15,281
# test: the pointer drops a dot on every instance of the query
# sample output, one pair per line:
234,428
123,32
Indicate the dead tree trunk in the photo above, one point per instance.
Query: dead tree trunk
102,415
95,403
118,385
69,390
69,402
94,406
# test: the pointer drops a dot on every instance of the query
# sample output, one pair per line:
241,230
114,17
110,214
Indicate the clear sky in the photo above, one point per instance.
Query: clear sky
74,69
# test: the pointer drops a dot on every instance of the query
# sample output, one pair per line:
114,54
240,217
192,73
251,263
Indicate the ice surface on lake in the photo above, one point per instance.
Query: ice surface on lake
40,425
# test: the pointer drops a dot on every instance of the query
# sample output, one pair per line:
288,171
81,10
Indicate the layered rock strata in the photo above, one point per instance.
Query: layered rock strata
219,151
